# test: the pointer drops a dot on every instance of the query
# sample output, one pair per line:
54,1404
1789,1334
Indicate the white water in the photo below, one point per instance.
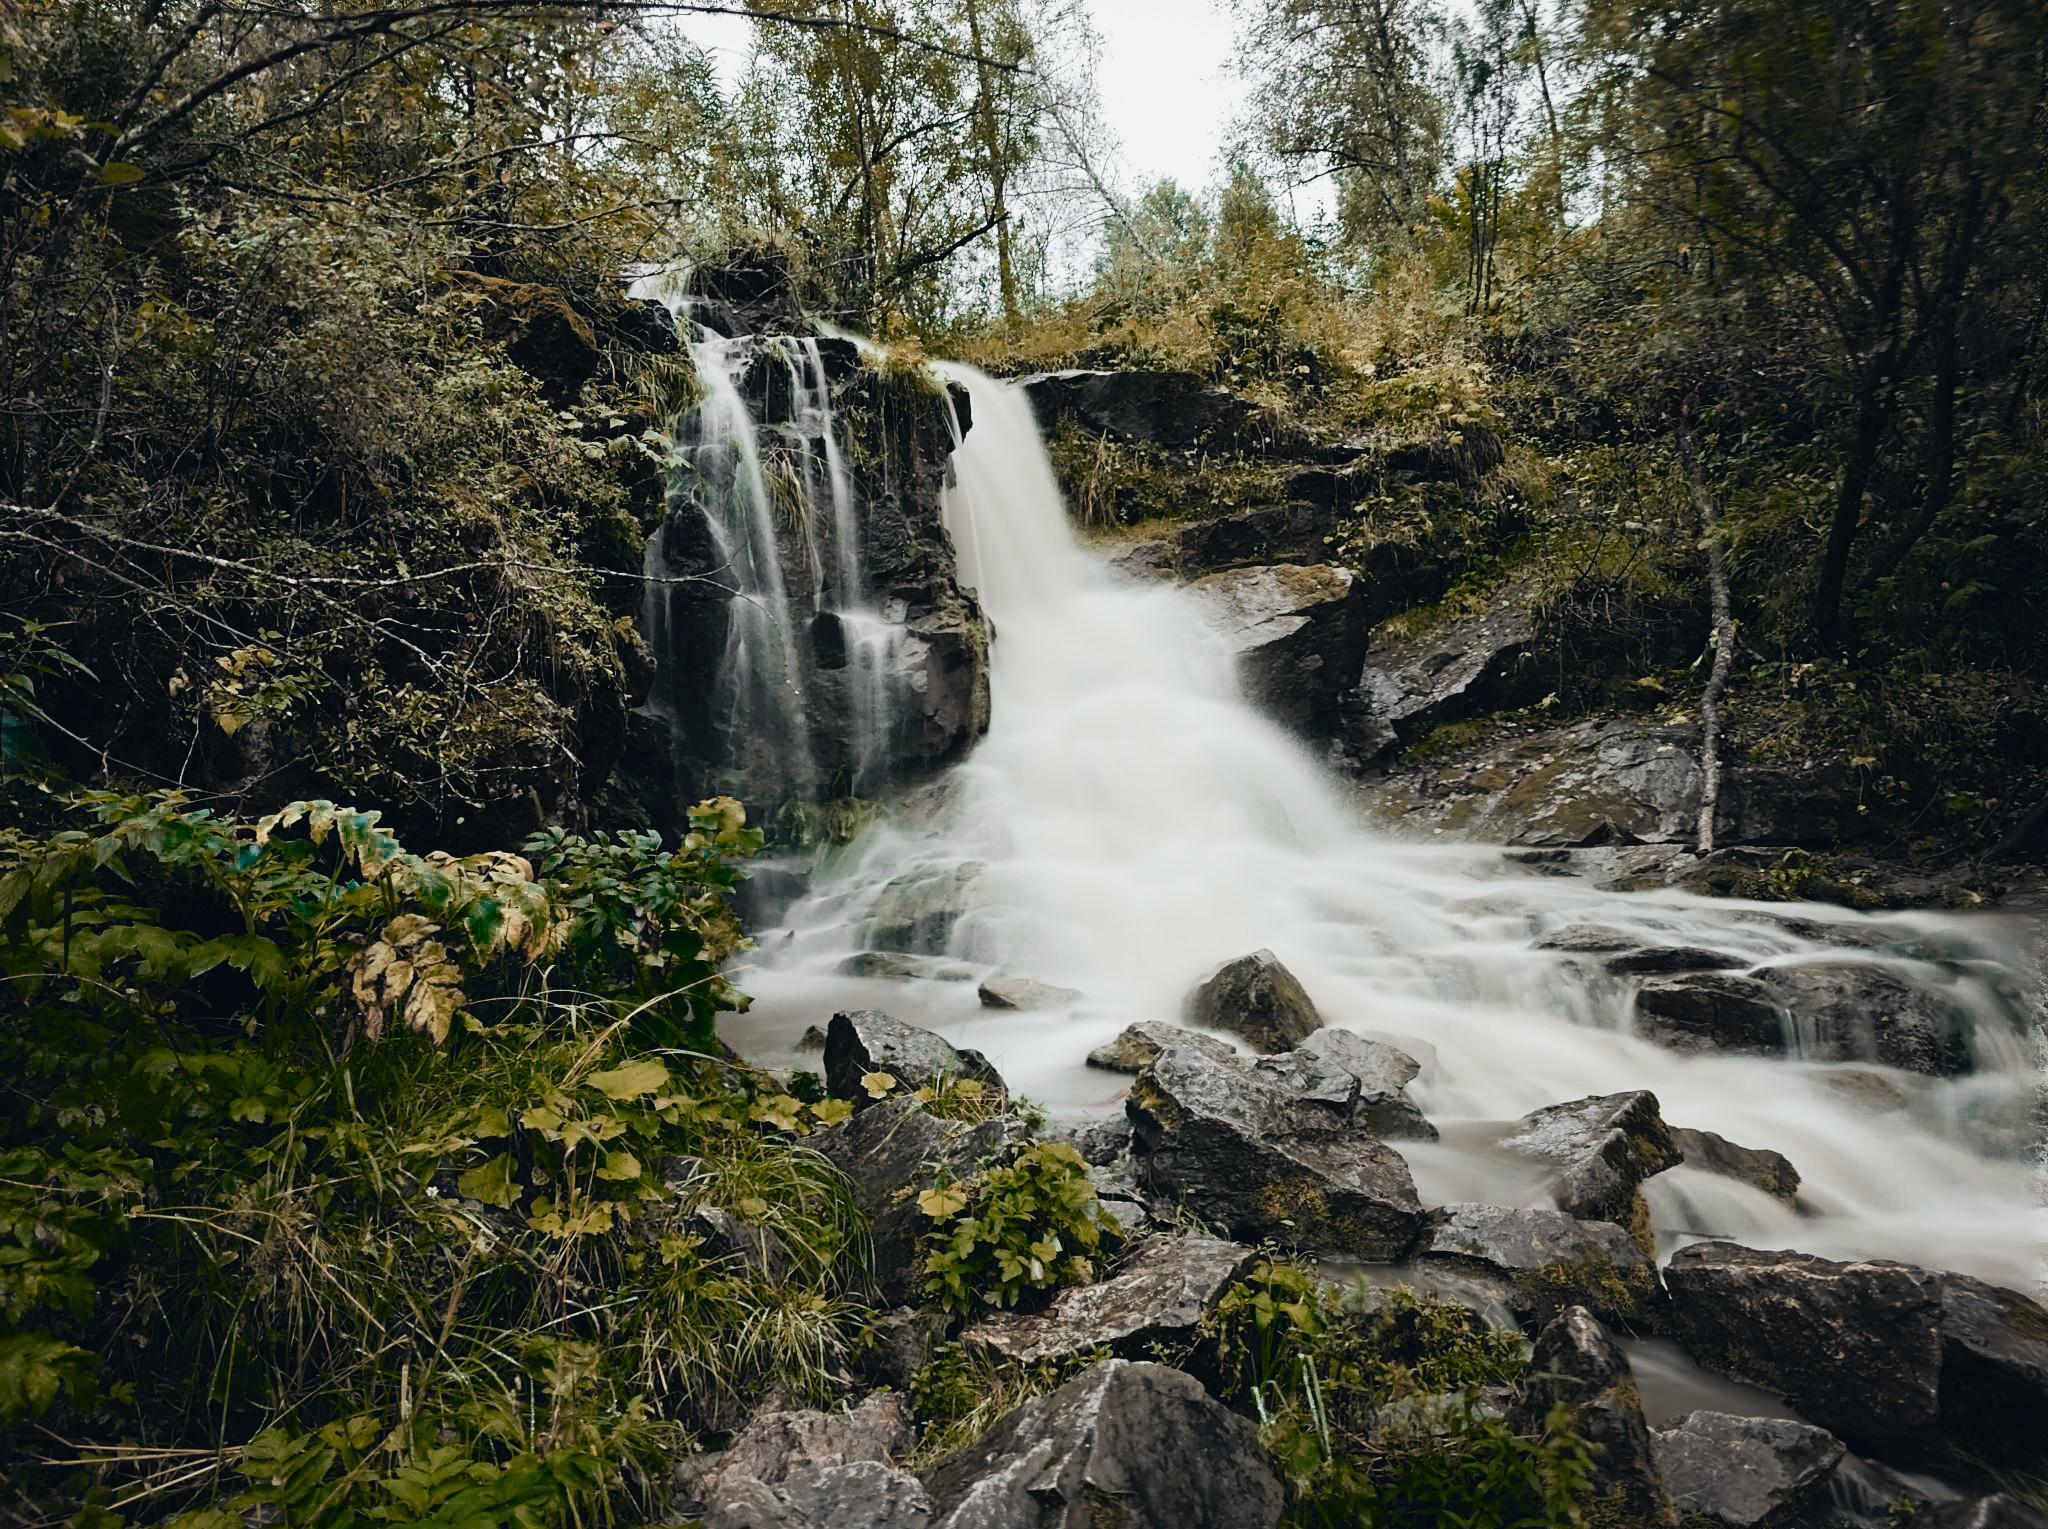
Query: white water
1140,824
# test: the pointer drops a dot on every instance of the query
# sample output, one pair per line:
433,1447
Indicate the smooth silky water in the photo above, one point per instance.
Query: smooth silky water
1140,823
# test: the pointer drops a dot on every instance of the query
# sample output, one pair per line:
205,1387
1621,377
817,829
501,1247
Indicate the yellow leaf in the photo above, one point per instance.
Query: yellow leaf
878,1084
619,1167
941,1203
631,1080
490,1182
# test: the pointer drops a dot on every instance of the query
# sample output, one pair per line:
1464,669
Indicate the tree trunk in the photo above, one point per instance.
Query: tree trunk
998,165
1722,639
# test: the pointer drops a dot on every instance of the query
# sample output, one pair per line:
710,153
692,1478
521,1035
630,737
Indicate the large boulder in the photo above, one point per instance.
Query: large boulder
1247,1155
1758,1167
1602,1148
1298,633
1166,1286
867,1041
1136,1045
1132,1444
1025,993
1537,1262
1717,1012
1746,1472
1420,676
914,912
787,1467
1577,1364
862,1495
1898,1360
1361,1079
1861,1012
1159,408
1258,1000
2001,1510
895,1148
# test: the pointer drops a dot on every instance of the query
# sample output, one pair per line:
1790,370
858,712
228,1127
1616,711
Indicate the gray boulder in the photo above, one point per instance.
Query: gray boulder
1299,635
1136,1045
1100,1142
1447,671
1158,407
1132,1444
1362,1080
1718,1012
1999,1511
1247,1155
863,1495
868,1041
1758,1167
1602,1149
1256,999
1537,1262
914,913
1025,993
1165,1288
776,1446
897,966
1746,1472
894,1148
1858,1012
1900,1361
1577,1364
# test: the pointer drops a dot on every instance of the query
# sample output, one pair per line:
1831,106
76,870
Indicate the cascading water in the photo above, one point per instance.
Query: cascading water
1129,822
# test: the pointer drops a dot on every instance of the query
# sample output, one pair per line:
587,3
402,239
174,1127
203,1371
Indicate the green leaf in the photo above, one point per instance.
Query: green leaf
619,1167
631,1080
120,172
36,1368
490,1182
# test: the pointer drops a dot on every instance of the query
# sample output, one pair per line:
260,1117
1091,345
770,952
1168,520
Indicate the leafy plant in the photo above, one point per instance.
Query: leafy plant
1019,1229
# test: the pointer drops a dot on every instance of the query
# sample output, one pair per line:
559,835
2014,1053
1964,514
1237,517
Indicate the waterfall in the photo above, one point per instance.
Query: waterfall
1130,822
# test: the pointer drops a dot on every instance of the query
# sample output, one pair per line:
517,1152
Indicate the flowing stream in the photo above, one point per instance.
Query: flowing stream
1130,822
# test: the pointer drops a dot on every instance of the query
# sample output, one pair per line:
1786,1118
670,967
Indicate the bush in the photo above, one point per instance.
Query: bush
1024,1228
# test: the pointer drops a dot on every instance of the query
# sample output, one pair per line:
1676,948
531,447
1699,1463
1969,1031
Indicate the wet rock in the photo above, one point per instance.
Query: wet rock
868,1041
1454,669
1588,940
1603,1148
1362,1080
1658,960
1299,635
1898,1360
1136,1045
1025,993
1746,1472
1100,1142
897,966
776,1446
1165,1288
1857,1012
1710,1012
897,1147
1249,1156
813,1039
1537,1262
1580,1366
1162,408
915,912
1132,1444
1256,999
862,1495
1999,1511
1867,1090
1124,1200
1760,1168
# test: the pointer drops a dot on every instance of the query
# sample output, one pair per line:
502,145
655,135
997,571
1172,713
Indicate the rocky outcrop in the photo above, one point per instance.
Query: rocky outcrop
795,1468
1446,671
1132,1444
1258,1000
894,1148
1578,1365
1718,1012
543,333
1746,1472
1861,1012
1299,635
1160,408
1362,1080
1601,1149
1025,993
1901,1361
862,1495
914,913
1166,1286
867,1041
1534,1263
1758,1167
1247,1155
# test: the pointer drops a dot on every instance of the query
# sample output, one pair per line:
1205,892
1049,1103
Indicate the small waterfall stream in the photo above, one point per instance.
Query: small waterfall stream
1129,822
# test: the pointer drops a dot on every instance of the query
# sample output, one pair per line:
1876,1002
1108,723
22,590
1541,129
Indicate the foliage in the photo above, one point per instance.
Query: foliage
1013,1231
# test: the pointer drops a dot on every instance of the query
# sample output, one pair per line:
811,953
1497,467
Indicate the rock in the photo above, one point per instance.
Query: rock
901,1343
1896,1359
1579,1365
862,1495
1135,1045
1132,1444
867,1041
727,1236
915,912
813,1039
1863,1088
1256,999
895,1147
1120,1195
1299,636
1745,1472
1100,1142
1657,960
1162,408
751,290
1025,993
1772,1172
1858,1012
776,1445
1362,1080
897,966
1716,1012
1603,1148
1248,1156
542,333
1587,940
1536,1262
1448,671
2000,1511
1165,1288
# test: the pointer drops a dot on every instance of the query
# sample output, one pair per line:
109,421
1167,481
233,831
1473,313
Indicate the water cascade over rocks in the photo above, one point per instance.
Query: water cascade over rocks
1130,824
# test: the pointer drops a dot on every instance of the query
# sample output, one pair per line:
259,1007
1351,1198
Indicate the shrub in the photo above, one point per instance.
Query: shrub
1031,1225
